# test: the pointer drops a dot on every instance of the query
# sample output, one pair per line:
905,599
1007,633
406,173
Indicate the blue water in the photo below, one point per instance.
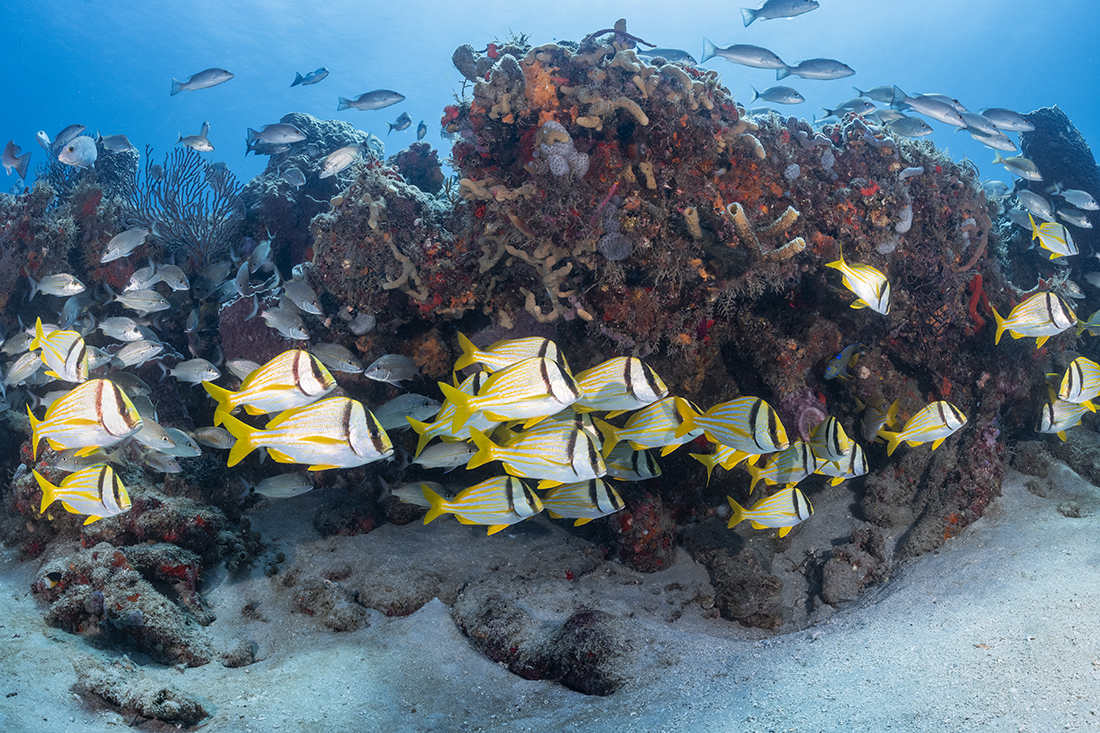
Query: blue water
109,65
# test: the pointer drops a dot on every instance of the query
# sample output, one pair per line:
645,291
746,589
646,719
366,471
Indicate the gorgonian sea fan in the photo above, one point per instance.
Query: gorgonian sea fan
195,207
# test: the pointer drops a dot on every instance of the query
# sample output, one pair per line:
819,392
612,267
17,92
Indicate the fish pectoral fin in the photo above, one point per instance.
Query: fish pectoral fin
836,481
91,519
494,528
464,520
532,421
665,450
321,467
278,456
548,484
1040,341
1062,434
757,525
582,520
611,415
86,451
938,443
859,303
783,532
554,514
253,410
53,374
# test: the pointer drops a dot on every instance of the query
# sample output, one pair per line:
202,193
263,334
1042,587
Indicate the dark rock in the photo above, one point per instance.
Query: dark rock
1031,457
330,604
129,690
641,534
419,165
853,566
590,648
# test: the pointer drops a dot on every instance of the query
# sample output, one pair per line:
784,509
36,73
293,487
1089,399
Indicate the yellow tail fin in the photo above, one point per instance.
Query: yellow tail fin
224,399
708,460
435,502
892,439
243,434
39,336
485,449
610,435
35,422
421,429
688,415
738,513
461,401
469,353
1000,326
49,491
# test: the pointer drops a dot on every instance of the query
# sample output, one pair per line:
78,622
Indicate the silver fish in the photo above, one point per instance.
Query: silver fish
136,353
338,358
202,80
1019,166
17,344
43,139
856,106
303,296
62,285
69,133
777,95
80,152
392,368
980,124
338,160
778,9
116,143
13,160
287,323
1007,120
143,301
284,486
153,435
909,127
124,243
403,122
816,69
311,78
675,55
120,328
998,141
198,143
929,107
393,415
294,177
214,437
183,445
193,371
447,456
172,276
377,99
23,369
1036,204
884,94
279,133
754,56
241,368
995,188
1081,199
1075,217
421,130
161,462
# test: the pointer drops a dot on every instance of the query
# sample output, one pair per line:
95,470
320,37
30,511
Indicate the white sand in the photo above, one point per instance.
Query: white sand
997,631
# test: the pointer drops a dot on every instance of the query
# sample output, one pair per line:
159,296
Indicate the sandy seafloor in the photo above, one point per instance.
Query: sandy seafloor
996,631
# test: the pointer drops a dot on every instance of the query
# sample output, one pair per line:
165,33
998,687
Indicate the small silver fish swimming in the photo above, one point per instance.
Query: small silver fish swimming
284,486
136,353
124,243
61,285
287,323
778,9
311,78
116,143
337,358
202,80
394,414
194,371
198,143
303,296
80,152
377,99
392,368
338,160
403,122
294,177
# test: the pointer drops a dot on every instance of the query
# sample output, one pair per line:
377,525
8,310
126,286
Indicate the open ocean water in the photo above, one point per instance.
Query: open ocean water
109,65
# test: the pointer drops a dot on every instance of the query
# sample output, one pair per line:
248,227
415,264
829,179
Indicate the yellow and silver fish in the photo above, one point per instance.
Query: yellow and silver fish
876,416
626,464
443,427
333,433
786,467
828,440
854,465
583,501
933,424
497,502
24,368
94,415
723,456
95,491
619,384
508,352
1042,315
871,288
1054,238
556,457
747,424
1092,325
529,390
784,509
654,426
1058,416
1081,382
292,379
63,352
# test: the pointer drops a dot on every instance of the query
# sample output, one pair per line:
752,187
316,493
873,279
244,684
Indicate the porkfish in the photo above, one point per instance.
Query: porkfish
292,379
618,385
530,390
507,352
582,501
94,415
63,352
1081,382
333,433
784,510
871,288
933,424
1042,315
747,424
497,502
655,426
852,466
565,455
95,491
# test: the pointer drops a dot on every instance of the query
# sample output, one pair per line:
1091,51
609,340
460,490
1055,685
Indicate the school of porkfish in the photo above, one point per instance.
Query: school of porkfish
525,409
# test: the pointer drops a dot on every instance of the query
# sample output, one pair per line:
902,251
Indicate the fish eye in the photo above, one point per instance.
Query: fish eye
72,148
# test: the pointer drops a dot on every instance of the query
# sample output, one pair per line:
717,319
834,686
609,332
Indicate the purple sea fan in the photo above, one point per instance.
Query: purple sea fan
195,207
